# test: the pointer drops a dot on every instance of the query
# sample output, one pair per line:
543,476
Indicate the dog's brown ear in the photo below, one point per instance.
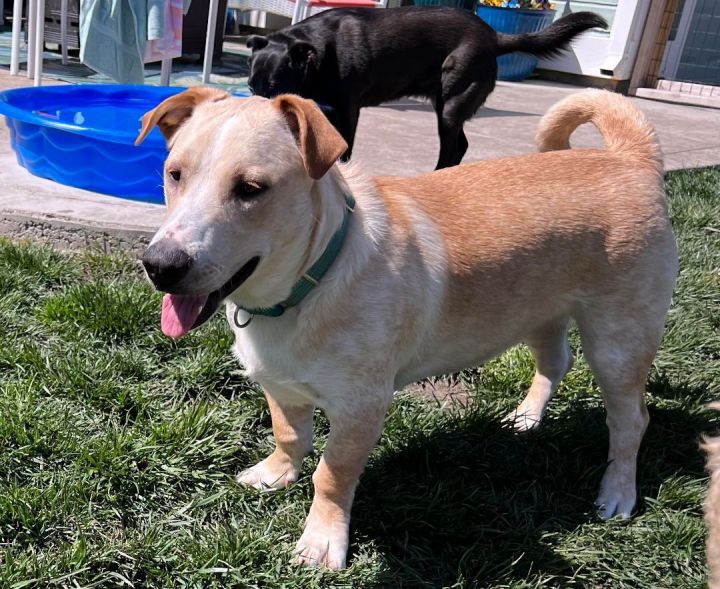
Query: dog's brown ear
320,143
172,112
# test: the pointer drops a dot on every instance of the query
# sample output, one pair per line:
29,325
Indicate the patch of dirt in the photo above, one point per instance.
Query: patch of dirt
448,392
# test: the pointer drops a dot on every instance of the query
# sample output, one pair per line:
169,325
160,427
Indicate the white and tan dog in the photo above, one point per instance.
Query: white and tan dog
434,274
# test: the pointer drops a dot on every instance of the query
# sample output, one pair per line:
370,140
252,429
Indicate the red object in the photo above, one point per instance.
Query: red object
343,3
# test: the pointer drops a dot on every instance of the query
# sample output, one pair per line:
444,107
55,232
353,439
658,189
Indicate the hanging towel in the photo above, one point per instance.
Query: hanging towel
162,14
157,14
169,43
114,35
112,38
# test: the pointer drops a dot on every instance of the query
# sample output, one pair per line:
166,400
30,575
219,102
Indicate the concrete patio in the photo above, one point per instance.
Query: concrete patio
398,138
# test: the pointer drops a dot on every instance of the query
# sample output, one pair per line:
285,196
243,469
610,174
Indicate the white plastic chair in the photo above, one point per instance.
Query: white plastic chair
281,7
304,8
36,37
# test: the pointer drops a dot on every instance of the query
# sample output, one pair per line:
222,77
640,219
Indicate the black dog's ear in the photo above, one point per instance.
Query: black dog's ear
300,54
256,42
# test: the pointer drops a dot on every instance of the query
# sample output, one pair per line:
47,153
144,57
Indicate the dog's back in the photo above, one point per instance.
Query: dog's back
381,55
616,192
378,55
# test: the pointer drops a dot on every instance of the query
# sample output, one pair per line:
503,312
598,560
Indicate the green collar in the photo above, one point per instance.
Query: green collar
314,274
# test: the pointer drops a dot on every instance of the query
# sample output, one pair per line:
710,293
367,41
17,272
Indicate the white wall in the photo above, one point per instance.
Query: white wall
602,53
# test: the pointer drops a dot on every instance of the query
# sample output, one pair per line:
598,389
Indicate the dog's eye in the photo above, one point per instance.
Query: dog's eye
175,175
246,189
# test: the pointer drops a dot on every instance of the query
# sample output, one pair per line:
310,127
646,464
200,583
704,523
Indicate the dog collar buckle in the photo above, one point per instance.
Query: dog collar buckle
237,321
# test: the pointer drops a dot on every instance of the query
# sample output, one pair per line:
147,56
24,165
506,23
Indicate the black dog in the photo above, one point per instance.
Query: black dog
348,58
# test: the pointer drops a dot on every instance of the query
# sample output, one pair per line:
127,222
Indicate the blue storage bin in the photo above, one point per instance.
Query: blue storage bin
516,66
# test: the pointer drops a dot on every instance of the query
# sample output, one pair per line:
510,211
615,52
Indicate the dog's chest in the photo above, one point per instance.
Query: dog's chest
272,359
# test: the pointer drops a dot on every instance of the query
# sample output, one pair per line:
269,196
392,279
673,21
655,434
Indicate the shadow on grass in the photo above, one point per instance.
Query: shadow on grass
476,504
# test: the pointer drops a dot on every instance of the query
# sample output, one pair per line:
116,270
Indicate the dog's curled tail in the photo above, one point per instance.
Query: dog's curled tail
624,128
553,39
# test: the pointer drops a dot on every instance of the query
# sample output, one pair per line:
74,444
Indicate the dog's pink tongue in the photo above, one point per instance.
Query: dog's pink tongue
179,314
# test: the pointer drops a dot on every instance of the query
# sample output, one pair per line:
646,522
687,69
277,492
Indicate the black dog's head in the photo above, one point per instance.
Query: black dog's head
280,65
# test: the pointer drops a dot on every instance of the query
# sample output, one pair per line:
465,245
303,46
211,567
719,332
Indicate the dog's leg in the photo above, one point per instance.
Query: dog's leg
452,112
619,347
292,429
453,145
467,81
712,508
553,360
346,123
452,137
352,436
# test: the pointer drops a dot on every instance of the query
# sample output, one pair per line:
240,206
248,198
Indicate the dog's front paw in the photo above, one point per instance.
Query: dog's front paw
323,545
273,473
526,417
617,495
522,422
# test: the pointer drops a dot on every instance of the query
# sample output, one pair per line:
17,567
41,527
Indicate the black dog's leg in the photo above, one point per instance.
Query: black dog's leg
466,84
462,144
346,122
453,142
445,138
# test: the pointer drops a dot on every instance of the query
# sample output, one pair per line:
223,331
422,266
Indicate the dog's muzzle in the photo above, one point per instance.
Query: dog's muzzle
166,264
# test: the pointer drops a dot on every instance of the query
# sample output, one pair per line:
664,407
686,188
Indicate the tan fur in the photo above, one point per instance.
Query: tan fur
172,112
320,143
624,128
437,273
292,430
711,445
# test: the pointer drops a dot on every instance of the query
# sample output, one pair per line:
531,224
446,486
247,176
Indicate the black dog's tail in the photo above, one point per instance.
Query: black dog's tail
552,40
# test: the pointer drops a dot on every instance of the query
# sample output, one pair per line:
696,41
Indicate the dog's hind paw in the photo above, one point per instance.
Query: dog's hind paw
271,474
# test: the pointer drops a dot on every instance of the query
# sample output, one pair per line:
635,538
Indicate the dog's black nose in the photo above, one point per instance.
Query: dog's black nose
166,263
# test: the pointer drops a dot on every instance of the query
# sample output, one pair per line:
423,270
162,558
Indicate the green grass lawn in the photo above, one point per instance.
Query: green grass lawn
118,450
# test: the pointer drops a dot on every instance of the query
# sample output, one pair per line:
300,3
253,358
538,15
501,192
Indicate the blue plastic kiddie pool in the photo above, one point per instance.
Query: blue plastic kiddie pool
83,136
